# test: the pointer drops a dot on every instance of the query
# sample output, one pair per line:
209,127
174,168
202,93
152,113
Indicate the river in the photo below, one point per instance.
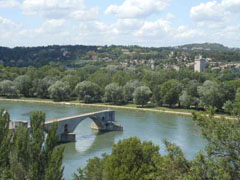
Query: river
147,126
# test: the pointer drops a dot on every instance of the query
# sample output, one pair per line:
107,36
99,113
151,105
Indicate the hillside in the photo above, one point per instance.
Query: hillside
78,55
207,47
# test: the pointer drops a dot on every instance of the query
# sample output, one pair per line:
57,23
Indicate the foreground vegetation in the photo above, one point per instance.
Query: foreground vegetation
27,155
136,160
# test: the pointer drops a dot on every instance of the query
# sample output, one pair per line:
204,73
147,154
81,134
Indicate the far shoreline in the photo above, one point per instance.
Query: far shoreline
124,107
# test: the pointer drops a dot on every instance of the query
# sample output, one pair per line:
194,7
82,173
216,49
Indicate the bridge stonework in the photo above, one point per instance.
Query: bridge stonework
102,121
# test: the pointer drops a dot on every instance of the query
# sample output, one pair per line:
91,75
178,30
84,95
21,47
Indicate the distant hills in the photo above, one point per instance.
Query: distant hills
207,47
77,55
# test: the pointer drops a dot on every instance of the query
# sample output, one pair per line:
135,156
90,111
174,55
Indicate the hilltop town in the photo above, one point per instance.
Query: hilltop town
215,56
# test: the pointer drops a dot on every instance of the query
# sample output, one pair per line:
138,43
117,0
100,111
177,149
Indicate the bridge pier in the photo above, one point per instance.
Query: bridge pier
67,137
110,126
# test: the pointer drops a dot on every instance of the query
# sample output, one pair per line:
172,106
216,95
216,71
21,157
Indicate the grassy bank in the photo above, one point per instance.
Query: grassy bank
176,111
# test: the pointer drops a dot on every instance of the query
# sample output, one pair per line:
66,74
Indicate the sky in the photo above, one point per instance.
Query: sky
150,23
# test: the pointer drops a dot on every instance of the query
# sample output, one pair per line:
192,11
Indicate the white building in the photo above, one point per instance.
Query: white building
199,65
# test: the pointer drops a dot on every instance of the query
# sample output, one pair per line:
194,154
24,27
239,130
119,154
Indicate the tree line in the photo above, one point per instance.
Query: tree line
115,85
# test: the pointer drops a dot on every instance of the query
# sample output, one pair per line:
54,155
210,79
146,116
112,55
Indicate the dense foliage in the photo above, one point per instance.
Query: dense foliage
136,160
118,85
27,154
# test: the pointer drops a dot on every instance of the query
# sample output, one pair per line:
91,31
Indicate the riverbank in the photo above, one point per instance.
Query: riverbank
182,112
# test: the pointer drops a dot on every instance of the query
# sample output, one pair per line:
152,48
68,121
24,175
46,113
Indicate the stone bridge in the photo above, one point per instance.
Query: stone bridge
103,121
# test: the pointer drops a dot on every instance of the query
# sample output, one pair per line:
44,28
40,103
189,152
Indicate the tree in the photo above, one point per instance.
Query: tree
204,168
223,149
142,95
112,69
121,78
4,143
130,159
33,156
41,86
228,92
101,78
185,99
228,107
211,94
88,92
24,85
173,165
129,88
157,98
55,170
113,93
236,104
72,80
93,170
192,88
59,91
20,160
170,92
136,160
8,89
151,79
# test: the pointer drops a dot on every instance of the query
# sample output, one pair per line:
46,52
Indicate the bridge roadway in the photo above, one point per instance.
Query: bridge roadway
77,116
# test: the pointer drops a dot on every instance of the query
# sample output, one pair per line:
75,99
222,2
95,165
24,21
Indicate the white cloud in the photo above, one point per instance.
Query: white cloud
230,33
215,14
7,28
56,9
51,26
9,3
186,33
170,16
128,25
210,11
85,14
8,31
231,5
162,32
7,23
137,8
154,28
72,22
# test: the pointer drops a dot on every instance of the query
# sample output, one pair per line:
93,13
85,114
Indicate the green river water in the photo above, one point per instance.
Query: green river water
147,126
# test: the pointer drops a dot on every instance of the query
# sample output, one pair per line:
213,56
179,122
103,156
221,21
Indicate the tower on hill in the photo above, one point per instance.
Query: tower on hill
199,65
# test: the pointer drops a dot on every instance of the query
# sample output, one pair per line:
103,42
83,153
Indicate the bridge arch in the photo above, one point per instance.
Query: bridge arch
103,120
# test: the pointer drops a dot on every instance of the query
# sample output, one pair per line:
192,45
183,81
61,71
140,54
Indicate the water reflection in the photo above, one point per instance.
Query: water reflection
77,154
90,144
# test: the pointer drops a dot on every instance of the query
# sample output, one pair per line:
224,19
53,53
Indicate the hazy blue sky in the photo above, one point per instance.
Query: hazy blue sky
125,22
